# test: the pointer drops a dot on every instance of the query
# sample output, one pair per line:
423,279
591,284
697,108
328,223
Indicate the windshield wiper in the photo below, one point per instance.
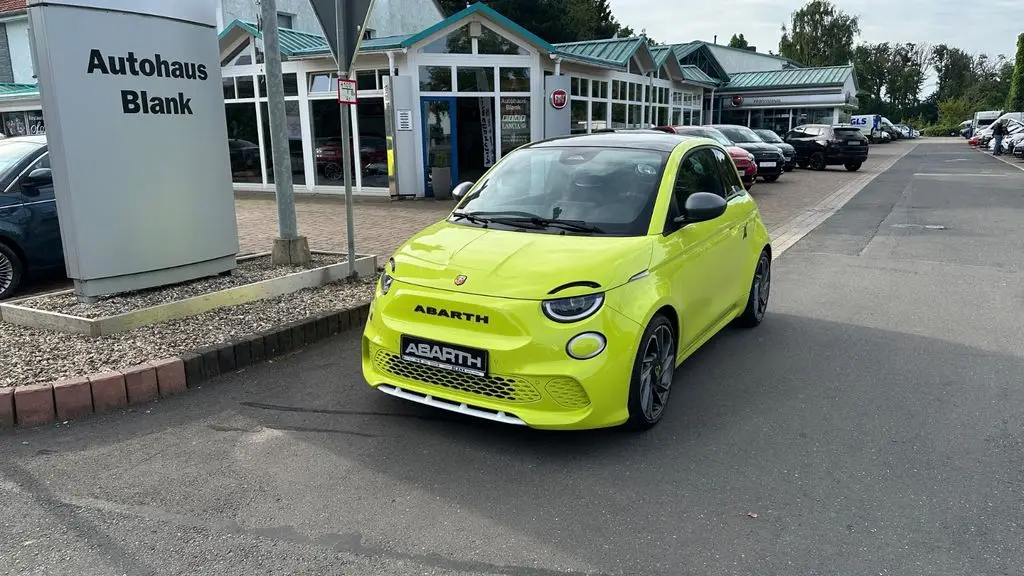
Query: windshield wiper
517,218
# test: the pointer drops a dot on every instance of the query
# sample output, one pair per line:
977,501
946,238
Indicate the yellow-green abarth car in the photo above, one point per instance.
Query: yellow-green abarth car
570,281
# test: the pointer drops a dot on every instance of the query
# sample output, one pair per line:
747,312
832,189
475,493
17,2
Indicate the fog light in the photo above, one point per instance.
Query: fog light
586,345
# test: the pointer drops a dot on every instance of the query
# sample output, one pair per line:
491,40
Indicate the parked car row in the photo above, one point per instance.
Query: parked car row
764,154
1013,137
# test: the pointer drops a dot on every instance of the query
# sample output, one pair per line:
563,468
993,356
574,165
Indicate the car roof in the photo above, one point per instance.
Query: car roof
34,139
639,139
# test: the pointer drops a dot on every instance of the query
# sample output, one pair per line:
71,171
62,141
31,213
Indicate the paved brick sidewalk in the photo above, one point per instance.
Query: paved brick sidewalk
382,225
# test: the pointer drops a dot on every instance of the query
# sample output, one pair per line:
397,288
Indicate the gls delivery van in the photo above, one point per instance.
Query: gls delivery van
870,125
984,118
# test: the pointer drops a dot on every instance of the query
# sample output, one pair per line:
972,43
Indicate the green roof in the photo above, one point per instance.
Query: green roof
295,43
11,90
831,76
694,53
693,74
292,41
611,51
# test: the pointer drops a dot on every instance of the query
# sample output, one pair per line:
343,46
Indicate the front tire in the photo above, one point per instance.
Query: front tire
11,270
817,161
653,370
760,290
772,178
853,166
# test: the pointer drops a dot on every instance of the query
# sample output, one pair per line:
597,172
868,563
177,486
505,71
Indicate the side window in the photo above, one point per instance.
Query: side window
730,176
698,172
43,162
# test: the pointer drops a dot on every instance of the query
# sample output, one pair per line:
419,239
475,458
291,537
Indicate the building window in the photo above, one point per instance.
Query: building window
475,79
293,131
455,42
490,42
515,122
291,85
515,80
243,143
284,20
579,117
435,78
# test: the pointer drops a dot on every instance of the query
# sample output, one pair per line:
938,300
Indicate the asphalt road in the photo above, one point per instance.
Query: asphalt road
873,424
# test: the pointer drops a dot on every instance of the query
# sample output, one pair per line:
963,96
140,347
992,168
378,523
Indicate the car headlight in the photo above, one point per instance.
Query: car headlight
385,282
572,309
750,158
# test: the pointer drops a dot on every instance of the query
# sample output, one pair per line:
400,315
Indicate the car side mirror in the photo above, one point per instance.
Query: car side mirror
460,191
38,178
701,207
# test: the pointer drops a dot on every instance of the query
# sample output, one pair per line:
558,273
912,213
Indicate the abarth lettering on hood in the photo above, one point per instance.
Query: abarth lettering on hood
453,314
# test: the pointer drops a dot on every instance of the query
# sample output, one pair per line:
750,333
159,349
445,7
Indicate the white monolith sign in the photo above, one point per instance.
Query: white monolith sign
134,113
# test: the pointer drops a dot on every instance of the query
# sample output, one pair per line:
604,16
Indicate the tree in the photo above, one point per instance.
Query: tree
738,42
954,69
1015,98
555,20
820,35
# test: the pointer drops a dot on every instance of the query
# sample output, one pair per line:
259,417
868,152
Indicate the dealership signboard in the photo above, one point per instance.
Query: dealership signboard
134,116
787,100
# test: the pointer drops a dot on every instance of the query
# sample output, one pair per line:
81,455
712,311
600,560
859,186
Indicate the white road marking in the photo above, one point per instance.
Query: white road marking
1017,164
791,231
959,175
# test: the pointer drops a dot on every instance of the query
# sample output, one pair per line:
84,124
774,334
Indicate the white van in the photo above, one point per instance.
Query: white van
870,125
984,118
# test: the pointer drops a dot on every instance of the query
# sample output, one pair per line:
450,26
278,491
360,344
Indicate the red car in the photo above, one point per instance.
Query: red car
744,160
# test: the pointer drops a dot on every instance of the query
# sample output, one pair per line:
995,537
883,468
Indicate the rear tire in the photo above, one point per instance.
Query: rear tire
760,290
653,369
853,166
817,161
11,271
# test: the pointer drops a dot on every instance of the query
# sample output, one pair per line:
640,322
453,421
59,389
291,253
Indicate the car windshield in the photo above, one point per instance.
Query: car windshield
768,136
739,134
707,133
12,152
568,190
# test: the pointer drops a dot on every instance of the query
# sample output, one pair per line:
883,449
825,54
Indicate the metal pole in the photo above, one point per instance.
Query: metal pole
289,248
346,150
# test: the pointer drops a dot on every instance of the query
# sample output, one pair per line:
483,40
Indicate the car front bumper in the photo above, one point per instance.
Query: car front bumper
530,380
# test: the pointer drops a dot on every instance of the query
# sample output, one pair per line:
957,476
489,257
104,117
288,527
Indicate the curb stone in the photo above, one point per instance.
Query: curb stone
78,397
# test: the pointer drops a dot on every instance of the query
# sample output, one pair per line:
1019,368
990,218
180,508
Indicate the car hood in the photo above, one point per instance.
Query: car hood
737,152
785,146
520,265
758,146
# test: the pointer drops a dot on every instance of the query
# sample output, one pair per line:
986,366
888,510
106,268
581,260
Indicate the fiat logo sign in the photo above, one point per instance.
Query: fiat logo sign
559,98
737,100
460,279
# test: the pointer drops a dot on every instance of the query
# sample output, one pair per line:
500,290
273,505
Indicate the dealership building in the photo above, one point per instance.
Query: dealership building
441,99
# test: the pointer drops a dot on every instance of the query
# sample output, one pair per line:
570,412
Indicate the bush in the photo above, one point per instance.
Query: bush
941,131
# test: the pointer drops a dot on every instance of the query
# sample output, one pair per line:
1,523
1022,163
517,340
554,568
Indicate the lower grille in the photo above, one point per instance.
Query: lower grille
506,388
567,392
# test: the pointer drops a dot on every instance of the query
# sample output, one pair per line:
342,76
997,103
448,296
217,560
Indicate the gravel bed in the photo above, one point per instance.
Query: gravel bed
248,272
28,356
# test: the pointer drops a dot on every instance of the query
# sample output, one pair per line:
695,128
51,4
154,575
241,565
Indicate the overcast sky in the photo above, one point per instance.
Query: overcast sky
989,26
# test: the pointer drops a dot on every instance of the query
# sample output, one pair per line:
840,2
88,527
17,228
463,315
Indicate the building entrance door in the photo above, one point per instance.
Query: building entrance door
440,146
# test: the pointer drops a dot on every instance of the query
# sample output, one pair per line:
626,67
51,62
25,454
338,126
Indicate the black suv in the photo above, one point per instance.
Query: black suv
770,160
822,145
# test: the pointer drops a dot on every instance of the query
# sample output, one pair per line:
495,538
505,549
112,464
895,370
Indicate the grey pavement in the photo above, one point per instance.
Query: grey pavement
872,423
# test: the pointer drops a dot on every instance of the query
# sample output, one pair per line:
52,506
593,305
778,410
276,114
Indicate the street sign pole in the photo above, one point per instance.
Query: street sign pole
289,247
343,22
346,141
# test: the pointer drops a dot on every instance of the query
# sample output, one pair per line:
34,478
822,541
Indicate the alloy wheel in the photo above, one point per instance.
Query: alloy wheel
656,372
6,273
762,285
818,161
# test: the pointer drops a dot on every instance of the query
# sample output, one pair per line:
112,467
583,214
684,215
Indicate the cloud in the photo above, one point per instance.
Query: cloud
989,26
